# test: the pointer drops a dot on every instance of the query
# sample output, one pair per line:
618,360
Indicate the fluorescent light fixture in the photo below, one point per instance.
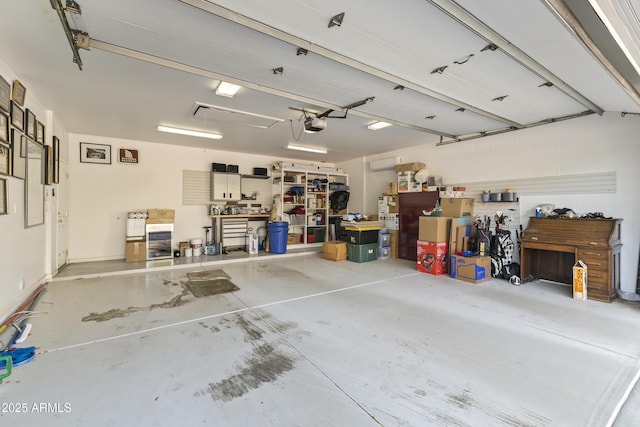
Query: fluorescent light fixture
189,132
227,89
318,150
378,125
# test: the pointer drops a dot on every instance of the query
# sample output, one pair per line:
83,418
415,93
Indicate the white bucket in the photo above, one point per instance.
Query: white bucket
188,252
196,245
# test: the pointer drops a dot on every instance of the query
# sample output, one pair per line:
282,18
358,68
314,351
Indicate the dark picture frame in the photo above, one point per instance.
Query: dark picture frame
18,154
5,95
95,153
4,200
56,160
4,128
5,159
17,116
19,92
30,124
48,165
39,132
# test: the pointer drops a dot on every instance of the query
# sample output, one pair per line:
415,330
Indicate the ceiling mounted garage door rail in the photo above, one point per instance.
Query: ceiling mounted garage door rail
472,23
332,55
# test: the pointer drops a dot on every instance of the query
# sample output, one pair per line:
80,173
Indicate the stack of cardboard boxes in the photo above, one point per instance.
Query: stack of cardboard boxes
442,240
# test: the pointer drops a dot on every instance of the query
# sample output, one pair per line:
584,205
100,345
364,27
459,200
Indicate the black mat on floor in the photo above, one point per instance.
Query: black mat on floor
209,282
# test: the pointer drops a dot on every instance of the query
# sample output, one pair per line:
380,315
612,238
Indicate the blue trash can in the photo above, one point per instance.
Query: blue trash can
278,232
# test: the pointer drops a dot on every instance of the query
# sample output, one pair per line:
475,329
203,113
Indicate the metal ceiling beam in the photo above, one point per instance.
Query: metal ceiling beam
130,53
319,50
67,31
500,131
474,24
567,16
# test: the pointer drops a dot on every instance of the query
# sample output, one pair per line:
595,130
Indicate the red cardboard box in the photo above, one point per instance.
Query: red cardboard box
432,257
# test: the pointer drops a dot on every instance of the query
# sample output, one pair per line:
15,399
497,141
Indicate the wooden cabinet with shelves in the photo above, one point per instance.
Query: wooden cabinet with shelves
305,196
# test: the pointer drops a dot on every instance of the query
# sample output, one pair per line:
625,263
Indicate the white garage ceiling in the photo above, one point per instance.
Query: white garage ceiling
437,70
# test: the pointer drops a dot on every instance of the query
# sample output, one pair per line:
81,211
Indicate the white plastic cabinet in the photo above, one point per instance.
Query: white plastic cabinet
311,200
225,186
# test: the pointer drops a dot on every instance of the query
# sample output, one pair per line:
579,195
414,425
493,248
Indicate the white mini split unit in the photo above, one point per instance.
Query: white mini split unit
314,124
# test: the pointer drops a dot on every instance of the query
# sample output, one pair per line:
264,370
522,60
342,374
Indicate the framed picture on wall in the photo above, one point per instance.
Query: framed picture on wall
19,92
3,197
17,116
5,95
39,132
4,128
18,154
95,153
48,165
56,160
30,119
5,159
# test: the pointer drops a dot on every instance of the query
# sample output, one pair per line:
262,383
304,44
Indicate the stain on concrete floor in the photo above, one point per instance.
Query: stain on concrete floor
263,364
115,313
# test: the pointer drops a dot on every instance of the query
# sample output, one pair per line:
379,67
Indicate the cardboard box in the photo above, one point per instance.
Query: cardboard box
334,250
136,251
474,269
433,229
460,228
456,207
432,257
580,280
293,238
162,214
392,188
405,180
391,221
182,246
410,167
393,243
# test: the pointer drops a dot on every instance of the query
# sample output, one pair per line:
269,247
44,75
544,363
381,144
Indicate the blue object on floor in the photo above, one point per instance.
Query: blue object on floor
19,356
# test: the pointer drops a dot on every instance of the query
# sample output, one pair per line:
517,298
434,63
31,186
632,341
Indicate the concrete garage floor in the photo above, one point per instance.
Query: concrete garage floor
310,342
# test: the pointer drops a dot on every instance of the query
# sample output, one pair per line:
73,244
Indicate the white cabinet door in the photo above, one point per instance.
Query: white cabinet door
219,186
233,187
225,186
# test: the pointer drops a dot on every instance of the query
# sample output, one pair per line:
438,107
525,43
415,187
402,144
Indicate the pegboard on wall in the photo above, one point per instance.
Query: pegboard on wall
596,183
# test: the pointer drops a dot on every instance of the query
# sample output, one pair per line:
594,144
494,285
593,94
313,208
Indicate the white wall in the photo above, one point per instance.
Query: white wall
102,195
586,145
25,254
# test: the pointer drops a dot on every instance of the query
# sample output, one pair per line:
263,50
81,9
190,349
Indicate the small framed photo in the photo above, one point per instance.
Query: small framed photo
18,154
19,92
48,165
95,153
30,129
39,132
4,128
56,160
5,95
3,197
17,116
5,159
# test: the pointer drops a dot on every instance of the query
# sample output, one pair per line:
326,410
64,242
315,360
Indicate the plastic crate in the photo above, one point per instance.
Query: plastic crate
362,253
